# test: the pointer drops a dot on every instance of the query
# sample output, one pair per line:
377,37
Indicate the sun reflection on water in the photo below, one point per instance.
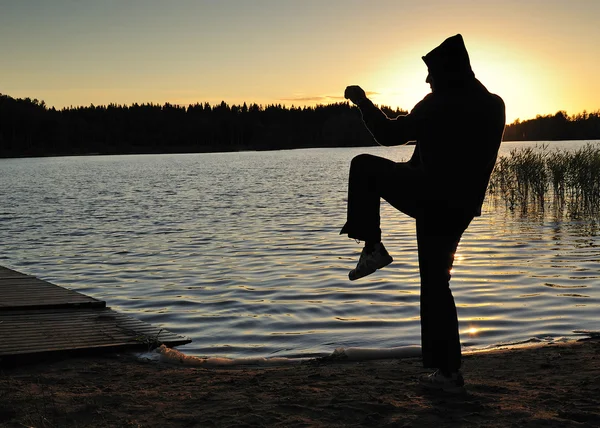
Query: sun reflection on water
473,331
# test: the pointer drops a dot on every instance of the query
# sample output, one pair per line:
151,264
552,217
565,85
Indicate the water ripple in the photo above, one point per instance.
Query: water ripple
241,252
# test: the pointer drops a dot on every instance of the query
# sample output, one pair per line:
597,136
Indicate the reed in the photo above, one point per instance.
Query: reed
536,178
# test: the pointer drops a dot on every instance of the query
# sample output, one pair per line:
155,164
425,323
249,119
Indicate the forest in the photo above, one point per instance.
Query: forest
29,128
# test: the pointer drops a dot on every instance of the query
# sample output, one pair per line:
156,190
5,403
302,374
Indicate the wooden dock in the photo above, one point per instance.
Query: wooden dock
38,318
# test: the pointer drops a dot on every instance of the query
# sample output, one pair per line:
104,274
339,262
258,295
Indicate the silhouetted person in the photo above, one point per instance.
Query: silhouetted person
458,129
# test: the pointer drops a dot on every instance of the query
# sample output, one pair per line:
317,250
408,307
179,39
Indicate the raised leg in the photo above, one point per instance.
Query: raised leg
373,178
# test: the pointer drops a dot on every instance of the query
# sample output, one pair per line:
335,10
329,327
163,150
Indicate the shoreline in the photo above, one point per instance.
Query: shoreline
175,356
242,149
541,385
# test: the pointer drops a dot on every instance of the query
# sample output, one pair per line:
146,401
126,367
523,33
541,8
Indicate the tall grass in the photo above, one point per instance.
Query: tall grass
537,178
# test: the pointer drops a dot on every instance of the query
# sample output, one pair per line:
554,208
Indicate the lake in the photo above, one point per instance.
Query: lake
241,252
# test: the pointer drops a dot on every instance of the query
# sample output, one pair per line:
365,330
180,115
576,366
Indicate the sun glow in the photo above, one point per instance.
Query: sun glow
522,81
399,79
473,331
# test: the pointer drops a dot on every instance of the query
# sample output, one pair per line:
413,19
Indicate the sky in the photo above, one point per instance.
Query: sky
539,56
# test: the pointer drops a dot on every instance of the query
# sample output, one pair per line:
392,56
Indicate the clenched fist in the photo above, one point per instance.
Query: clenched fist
355,94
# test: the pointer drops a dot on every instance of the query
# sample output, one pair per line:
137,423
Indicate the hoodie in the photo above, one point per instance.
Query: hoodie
457,128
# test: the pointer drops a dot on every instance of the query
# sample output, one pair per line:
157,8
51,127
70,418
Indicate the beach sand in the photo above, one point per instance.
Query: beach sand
545,386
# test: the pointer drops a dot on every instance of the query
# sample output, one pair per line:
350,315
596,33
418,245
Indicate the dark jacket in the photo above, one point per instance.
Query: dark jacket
458,128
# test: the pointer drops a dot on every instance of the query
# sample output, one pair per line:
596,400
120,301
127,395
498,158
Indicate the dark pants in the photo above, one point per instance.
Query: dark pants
439,229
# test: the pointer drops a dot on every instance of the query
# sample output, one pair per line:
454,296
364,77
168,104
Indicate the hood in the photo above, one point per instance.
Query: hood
449,64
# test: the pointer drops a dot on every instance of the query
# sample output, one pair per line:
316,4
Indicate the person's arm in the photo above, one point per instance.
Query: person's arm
386,131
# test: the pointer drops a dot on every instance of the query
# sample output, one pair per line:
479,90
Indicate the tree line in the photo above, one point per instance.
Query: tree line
559,126
29,128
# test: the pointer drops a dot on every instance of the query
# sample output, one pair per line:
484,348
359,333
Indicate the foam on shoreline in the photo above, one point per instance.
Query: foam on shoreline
173,356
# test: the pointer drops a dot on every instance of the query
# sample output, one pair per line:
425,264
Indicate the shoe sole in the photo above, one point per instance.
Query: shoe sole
353,276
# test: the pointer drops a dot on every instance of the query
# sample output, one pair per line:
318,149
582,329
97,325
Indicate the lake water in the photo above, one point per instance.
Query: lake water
241,252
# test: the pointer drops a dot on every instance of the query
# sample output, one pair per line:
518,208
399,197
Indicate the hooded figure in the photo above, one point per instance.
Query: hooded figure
449,65
458,129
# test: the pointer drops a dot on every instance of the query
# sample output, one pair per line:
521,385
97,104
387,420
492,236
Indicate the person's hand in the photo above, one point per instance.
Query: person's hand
355,94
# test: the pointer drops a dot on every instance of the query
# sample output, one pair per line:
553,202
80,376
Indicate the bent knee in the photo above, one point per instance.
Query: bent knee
362,161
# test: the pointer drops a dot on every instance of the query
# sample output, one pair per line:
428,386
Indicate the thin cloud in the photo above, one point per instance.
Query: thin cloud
312,98
320,98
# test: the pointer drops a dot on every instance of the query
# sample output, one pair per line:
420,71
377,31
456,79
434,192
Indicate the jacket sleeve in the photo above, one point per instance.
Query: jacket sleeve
389,131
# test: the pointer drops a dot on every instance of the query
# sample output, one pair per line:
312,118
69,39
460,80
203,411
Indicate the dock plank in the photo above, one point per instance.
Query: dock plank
9,273
43,331
39,318
32,293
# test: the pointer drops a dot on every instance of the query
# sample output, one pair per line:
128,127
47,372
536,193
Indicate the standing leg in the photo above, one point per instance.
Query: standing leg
438,237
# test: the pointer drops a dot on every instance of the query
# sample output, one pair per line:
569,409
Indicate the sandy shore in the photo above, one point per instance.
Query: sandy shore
549,386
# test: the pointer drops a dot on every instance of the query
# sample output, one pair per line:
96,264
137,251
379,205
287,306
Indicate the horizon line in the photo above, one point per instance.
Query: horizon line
342,101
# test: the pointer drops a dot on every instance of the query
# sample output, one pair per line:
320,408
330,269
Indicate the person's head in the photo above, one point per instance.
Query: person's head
429,80
449,65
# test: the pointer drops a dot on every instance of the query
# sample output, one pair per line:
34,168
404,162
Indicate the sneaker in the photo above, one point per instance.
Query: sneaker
370,262
454,383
